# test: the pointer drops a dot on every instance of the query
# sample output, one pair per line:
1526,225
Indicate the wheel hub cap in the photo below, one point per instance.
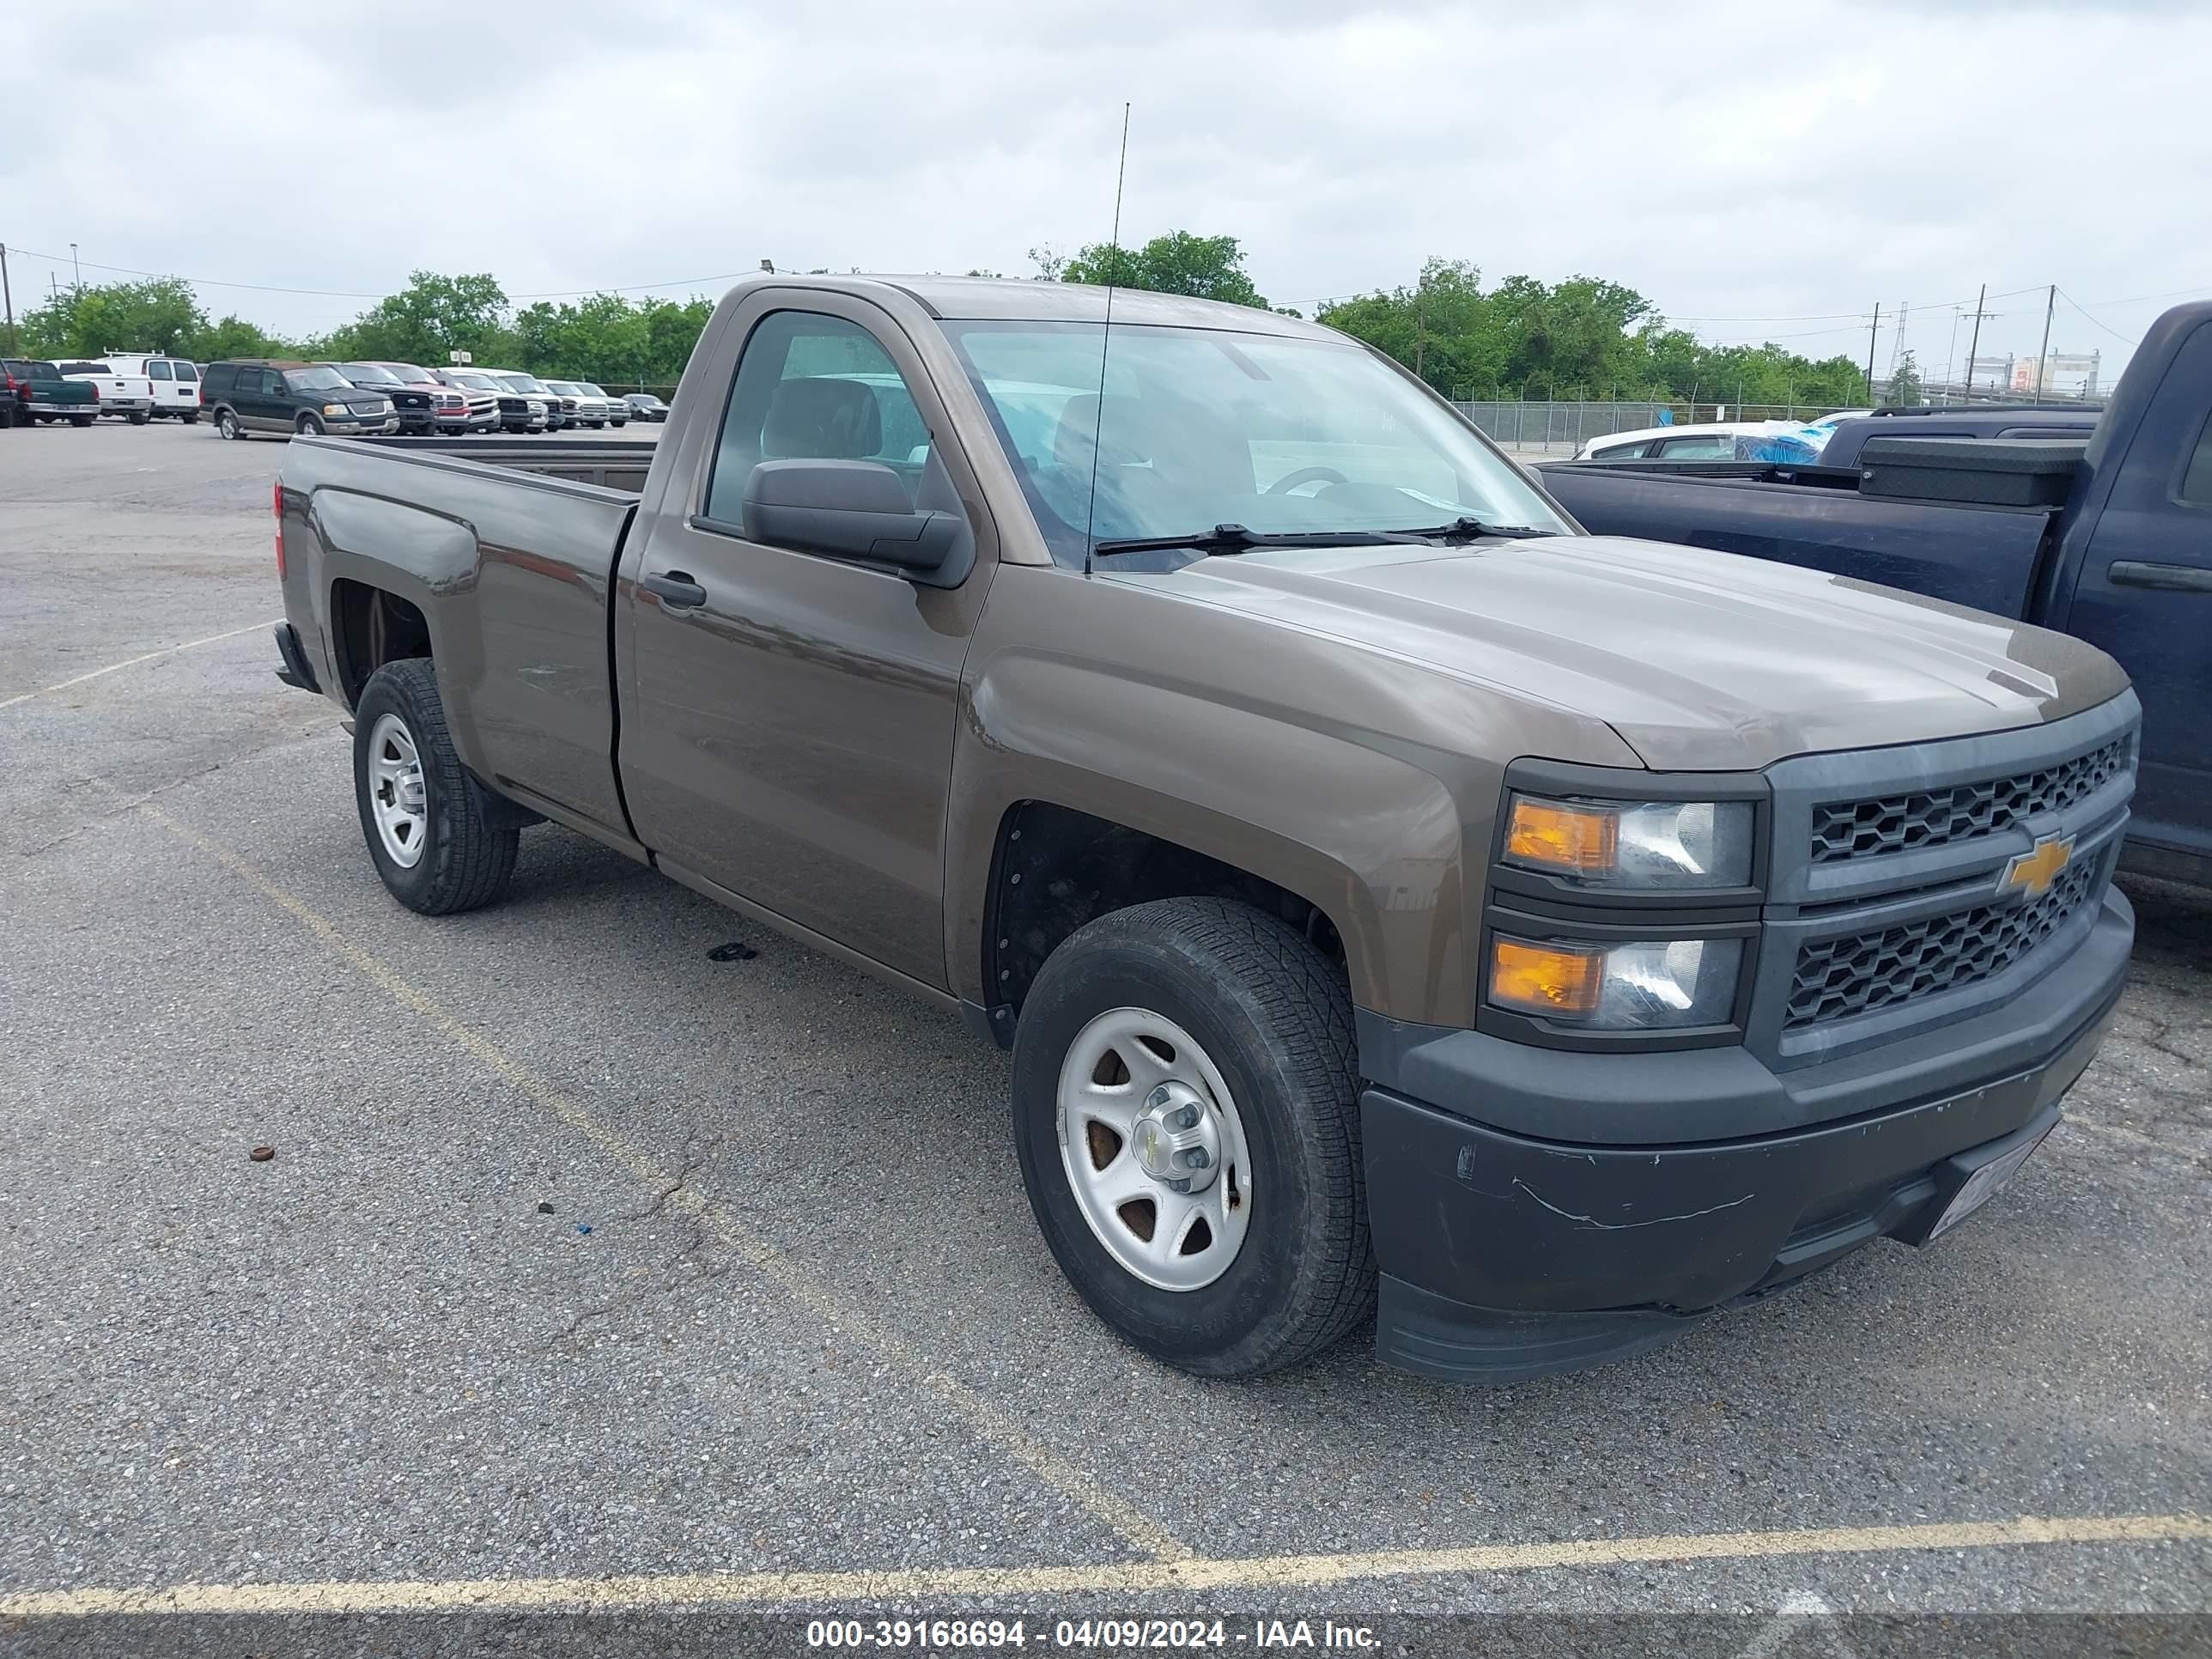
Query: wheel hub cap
1153,1148
397,798
1176,1139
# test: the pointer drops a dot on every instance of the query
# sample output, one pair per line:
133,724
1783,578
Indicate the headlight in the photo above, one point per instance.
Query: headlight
1670,843
335,408
1648,986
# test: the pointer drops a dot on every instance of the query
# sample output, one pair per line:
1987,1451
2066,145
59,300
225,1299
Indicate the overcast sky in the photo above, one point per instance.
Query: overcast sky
1759,171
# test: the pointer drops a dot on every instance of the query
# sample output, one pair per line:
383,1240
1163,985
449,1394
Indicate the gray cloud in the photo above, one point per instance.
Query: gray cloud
1731,162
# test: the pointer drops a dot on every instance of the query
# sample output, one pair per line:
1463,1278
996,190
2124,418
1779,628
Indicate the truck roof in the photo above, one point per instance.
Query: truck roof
1021,299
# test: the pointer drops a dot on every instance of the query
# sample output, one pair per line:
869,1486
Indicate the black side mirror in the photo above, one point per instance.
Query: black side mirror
855,510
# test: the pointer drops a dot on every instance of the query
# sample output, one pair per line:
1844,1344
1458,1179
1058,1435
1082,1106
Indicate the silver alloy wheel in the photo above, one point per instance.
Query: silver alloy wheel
395,791
227,424
1154,1150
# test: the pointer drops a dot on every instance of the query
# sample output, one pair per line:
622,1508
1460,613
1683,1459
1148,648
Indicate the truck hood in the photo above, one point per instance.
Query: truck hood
1699,660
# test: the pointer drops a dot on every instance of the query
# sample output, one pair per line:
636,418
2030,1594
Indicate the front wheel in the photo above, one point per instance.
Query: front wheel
309,427
1186,1104
439,839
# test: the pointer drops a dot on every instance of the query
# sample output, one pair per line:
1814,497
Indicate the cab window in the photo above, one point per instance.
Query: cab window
2197,482
813,387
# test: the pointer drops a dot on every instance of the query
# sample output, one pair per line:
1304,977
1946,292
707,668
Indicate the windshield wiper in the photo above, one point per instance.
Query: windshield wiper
1235,538
1466,529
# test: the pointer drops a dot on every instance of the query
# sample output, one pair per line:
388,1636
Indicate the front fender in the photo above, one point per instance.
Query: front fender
1372,839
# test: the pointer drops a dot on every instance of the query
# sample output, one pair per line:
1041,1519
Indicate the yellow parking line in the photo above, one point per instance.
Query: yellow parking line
995,1425
117,667
1197,1574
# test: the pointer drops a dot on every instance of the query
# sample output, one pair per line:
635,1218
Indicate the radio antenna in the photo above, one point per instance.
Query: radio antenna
1105,335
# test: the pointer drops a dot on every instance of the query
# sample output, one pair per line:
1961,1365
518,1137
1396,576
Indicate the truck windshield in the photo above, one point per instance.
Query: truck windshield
1207,427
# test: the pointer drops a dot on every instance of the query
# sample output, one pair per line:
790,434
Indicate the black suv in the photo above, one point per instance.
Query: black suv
260,394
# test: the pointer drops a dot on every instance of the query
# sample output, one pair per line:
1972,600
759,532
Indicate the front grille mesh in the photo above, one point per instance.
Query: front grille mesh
1838,978
1896,824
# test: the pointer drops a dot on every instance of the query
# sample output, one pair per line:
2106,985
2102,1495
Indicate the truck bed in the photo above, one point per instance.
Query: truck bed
1966,520
610,464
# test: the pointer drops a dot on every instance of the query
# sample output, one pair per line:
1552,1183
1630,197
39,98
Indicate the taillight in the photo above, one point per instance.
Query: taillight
277,504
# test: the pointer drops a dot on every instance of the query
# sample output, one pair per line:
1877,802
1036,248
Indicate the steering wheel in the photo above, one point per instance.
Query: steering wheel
1291,481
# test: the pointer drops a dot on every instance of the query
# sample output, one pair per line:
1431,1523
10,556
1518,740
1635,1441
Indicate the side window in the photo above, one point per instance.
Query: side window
158,370
1620,452
1713,447
220,378
186,372
812,387
272,384
2197,482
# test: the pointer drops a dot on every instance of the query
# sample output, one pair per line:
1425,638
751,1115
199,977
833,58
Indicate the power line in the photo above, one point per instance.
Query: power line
2128,338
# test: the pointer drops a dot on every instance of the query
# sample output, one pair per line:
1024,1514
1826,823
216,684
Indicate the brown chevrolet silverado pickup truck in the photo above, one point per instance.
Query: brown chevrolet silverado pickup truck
1405,909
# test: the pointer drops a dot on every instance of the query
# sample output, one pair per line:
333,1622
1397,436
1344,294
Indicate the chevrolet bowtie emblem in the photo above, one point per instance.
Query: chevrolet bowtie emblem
2031,873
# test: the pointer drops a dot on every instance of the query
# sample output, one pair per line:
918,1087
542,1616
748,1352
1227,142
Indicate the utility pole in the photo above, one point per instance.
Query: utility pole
9,293
76,270
2042,358
1897,340
1873,335
1951,354
1974,343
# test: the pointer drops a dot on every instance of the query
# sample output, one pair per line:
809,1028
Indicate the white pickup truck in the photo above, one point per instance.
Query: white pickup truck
130,396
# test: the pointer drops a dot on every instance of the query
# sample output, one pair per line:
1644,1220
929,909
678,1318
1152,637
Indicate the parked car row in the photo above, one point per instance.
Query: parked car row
272,395
261,395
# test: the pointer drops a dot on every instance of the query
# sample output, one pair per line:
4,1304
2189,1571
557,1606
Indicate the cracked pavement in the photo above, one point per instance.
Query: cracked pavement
376,1357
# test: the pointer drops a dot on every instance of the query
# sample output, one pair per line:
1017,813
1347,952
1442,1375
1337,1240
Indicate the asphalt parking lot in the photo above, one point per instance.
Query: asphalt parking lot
592,1271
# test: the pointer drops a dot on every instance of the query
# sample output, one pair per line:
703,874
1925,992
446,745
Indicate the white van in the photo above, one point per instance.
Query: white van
176,382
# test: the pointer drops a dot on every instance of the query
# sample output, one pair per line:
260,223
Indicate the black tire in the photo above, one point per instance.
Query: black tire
140,417
1274,1015
82,420
189,417
470,836
227,425
308,426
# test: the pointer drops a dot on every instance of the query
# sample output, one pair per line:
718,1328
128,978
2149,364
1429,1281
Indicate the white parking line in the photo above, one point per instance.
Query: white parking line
117,667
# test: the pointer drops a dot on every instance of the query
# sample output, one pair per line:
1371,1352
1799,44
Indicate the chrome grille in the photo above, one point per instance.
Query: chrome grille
1896,824
1838,978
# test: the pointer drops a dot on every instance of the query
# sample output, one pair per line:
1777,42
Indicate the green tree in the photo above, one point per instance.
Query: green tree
432,316
1438,328
1904,382
1203,267
160,314
234,337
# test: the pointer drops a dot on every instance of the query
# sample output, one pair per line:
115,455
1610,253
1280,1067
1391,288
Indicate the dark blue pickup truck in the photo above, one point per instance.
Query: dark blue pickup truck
2105,534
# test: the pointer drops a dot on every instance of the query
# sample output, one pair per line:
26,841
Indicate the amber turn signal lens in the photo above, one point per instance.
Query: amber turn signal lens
1581,841
1540,979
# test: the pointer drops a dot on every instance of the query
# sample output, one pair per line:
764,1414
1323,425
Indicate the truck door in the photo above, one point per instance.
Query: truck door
2144,593
787,716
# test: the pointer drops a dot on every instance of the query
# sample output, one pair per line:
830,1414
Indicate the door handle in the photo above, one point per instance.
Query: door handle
676,588
2171,578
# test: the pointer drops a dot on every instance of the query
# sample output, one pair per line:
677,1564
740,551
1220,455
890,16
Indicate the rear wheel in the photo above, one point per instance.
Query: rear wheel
439,839
82,420
1186,1115
139,417
189,417
226,424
